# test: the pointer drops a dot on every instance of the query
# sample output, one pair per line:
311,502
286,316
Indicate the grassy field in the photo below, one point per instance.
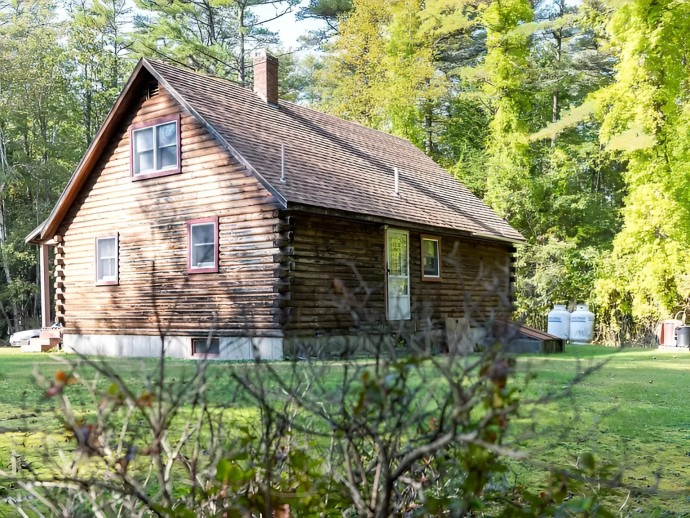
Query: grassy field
632,413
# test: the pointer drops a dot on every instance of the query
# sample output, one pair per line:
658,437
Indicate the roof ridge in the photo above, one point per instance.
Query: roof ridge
283,101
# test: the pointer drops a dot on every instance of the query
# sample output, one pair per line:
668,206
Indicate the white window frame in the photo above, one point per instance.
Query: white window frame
398,306
210,343
426,277
153,127
204,268
103,280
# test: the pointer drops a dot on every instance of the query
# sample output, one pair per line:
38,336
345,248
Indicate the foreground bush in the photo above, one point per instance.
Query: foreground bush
413,435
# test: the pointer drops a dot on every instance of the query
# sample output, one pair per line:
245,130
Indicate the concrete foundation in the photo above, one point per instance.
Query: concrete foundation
231,348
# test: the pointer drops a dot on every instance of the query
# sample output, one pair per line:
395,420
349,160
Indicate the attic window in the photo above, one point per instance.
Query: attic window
155,147
152,89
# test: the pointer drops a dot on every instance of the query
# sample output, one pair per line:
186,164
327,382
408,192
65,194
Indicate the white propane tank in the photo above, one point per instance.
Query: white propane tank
582,324
559,322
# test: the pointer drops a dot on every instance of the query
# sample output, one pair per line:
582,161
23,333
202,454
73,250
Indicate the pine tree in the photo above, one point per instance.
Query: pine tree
214,37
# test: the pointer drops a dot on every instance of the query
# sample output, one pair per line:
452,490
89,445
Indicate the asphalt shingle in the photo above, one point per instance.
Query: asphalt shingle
331,163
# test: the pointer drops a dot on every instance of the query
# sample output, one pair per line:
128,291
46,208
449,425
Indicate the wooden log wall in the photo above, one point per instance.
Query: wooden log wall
338,281
338,276
475,282
155,291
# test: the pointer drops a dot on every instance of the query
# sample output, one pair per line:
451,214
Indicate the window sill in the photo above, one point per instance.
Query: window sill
193,271
156,174
431,279
107,283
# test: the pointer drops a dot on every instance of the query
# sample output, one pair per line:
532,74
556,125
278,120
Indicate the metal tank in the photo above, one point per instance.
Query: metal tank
581,324
559,322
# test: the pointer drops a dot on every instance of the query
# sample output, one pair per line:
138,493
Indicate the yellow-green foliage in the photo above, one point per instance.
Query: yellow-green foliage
645,117
381,70
505,64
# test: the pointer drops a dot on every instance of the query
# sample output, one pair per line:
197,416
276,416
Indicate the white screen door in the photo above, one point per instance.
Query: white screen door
398,259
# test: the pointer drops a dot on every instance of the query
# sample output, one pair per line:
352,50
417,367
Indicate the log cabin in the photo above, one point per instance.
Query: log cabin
211,220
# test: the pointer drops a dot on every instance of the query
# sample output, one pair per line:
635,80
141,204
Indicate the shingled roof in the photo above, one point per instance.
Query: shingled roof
329,163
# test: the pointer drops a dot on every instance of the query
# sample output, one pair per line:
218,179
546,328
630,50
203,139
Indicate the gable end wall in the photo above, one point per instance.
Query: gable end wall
155,293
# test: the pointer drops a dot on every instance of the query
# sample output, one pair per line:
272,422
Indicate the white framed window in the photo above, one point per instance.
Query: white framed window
107,260
202,241
431,258
155,148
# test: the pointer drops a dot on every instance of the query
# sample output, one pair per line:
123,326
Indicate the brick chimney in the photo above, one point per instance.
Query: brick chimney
266,77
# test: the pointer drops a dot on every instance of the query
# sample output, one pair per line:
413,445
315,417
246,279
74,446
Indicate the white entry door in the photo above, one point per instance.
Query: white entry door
398,268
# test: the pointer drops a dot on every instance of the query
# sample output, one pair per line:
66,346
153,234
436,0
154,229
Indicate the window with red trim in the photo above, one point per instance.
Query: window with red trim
155,147
107,260
202,245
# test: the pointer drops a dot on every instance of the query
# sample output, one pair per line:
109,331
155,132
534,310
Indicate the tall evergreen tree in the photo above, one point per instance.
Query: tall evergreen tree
99,45
214,37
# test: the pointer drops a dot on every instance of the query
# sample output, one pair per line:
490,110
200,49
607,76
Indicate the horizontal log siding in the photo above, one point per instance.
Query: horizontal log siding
475,282
150,217
338,277
338,281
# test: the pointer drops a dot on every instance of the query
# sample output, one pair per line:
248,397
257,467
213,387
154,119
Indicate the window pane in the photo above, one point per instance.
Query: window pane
397,253
143,162
203,256
107,270
167,134
203,233
143,140
167,157
398,287
201,346
203,245
106,247
106,260
431,257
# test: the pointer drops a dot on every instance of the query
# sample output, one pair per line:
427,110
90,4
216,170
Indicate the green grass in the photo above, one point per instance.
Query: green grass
632,413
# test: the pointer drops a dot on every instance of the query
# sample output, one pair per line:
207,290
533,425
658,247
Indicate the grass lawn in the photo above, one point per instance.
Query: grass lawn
631,413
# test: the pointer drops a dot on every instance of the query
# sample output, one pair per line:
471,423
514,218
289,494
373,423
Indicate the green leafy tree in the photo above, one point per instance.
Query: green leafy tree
505,66
646,120
330,12
39,143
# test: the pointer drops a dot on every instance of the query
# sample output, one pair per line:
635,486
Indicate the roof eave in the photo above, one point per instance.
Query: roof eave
505,239
381,220
34,237
92,153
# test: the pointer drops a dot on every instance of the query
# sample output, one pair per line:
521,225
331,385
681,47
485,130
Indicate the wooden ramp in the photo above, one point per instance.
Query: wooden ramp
519,338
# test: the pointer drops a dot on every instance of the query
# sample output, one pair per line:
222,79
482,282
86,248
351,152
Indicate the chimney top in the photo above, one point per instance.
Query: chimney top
266,77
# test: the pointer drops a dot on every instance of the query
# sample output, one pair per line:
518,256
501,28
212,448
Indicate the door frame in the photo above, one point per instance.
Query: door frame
406,233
